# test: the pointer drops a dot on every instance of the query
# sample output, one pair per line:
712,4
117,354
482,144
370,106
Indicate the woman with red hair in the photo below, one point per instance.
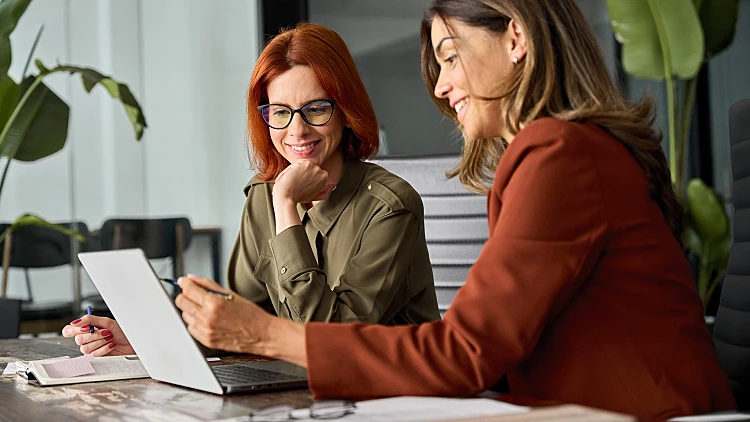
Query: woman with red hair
324,235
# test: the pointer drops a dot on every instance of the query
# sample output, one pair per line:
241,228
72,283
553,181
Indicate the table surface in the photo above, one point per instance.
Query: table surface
140,399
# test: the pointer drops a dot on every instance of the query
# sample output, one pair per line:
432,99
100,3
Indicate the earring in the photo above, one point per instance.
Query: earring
515,60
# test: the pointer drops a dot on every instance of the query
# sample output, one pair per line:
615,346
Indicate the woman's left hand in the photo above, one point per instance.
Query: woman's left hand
235,325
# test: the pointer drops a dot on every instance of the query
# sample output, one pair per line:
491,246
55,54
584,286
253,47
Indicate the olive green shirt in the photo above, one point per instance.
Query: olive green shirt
359,256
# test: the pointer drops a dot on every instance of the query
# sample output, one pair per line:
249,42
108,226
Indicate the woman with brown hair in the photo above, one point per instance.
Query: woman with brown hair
324,235
582,293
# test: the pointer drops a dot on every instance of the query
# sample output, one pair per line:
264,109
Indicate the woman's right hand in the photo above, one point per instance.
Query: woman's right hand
107,338
302,182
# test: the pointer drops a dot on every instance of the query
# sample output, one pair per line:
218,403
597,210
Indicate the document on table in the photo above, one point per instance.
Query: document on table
10,369
67,368
412,409
86,369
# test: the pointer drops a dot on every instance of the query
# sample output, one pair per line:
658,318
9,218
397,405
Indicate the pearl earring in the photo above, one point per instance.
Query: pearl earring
515,60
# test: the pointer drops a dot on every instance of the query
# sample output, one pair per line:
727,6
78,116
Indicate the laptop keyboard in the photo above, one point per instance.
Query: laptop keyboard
243,374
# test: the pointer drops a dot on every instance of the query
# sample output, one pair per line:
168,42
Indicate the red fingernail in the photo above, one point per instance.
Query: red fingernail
84,329
112,345
75,322
106,333
108,338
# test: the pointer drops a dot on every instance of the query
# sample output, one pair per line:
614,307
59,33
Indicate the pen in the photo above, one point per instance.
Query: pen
90,311
227,296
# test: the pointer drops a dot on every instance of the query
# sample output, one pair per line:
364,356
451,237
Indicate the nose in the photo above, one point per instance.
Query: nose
298,127
442,87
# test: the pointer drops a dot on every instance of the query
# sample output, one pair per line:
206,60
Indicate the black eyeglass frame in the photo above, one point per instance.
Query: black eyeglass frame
318,410
299,110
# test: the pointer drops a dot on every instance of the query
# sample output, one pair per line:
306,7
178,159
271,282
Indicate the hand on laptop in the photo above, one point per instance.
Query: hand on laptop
217,321
107,338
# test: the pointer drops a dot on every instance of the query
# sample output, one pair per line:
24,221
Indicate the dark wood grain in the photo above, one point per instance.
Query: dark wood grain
142,399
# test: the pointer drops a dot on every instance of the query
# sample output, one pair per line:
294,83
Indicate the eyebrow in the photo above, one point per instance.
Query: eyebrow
440,44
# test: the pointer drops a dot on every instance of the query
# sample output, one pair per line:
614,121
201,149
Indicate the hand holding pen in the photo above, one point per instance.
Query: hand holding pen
98,336
227,296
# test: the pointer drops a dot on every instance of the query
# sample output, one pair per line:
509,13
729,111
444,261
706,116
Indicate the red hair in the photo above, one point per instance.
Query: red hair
325,52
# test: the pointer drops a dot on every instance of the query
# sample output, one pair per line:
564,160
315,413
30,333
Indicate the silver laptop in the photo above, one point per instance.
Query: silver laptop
155,329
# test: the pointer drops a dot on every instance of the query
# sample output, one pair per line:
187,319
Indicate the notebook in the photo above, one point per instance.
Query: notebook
154,327
60,371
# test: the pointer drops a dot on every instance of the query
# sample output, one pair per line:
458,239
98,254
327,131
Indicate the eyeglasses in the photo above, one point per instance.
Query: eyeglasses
329,409
315,112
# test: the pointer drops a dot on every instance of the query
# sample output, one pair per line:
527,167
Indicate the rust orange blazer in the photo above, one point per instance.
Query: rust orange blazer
580,295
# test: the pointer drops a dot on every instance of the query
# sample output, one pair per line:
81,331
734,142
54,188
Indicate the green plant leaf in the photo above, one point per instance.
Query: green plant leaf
8,98
41,126
117,90
707,215
651,31
10,12
692,241
720,253
719,20
31,52
33,220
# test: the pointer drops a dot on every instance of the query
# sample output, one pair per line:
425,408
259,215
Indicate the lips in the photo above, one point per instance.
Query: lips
303,150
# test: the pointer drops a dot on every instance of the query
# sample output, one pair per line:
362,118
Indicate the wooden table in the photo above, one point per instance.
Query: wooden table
141,399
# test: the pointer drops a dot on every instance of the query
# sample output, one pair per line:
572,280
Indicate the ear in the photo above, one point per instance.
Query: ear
517,41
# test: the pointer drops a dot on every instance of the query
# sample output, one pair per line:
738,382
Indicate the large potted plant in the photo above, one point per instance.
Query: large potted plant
34,120
670,40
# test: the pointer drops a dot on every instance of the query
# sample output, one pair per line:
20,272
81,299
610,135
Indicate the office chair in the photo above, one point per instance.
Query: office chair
157,237
35,247
732,326
455,219
10,315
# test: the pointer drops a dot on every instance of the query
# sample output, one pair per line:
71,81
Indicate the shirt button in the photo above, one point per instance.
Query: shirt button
283,270
369,187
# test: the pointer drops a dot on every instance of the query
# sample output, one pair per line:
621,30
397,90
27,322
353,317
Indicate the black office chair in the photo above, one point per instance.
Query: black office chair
35,247
732,327
157,237
10,318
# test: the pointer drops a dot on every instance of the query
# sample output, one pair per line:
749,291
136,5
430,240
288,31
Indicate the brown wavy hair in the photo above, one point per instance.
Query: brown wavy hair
325,52
562,76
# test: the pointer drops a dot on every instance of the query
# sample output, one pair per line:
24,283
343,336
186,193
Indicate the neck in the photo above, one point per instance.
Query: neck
334,166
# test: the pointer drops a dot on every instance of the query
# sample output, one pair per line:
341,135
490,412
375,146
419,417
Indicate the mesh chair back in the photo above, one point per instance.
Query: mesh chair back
455,218
732,325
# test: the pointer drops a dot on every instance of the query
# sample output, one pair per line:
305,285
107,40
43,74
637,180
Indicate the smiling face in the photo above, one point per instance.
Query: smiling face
301,140
474,64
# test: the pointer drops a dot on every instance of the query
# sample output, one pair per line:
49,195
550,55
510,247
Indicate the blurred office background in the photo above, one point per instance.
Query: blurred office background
188,62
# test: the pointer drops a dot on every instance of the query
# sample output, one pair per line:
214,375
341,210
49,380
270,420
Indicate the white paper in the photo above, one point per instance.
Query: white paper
69,368
413,409
713,417
10,369
123,367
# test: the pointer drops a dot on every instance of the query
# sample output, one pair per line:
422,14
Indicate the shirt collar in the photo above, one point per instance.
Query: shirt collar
325,214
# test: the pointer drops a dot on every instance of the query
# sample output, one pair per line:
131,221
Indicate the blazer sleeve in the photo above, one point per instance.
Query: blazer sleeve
544,240
372,280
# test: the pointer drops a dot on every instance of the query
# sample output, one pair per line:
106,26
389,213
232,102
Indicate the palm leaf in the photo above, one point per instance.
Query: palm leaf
10,12
719,20
117,90
33,220
41,126
658,33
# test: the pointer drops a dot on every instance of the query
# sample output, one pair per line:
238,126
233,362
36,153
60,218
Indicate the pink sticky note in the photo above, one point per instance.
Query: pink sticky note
68,368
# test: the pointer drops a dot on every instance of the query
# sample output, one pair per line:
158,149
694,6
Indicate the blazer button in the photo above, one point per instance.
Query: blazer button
283,270
369,187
